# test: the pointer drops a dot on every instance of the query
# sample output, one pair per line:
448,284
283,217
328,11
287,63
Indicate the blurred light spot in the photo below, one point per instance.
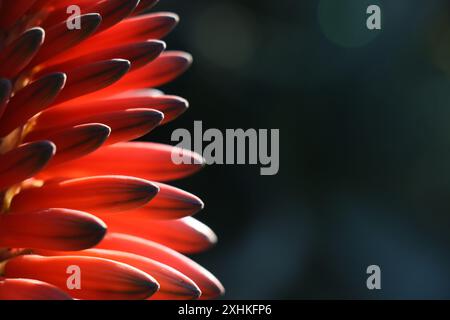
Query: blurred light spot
225,34
439,46
344,22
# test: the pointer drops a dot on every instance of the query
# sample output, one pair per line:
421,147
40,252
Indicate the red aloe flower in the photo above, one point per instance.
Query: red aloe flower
74,192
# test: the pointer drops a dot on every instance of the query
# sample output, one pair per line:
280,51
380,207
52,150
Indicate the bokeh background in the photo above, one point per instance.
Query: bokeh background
364,118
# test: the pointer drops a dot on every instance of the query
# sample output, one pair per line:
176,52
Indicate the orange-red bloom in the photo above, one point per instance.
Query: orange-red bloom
210,287
75,192
52,229
26,289
101,278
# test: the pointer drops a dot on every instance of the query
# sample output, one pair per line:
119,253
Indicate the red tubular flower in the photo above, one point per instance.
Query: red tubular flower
26,289
101,278
73,188
210,287
54,229
173,284
186,235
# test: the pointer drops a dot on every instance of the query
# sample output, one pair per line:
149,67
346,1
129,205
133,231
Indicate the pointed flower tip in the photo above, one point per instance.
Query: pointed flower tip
24,162
102,195
5,86
120,66
56,81
41,152
31,100
91,21
157,45
174,17
78,141
45,149
168,19
130,124
99,130
59,78
170,203
51,229
145,189
184,58
37,33
149,116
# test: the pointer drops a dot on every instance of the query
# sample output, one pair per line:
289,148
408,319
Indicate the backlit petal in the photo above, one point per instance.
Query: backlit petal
104,194
168,66
31,100
173,284
59,38
100,278
139,54
92,77
27,289
209,285
52,229
186,235
136,29
24,162
125,125
78,141
72,110
15,57
169,204
151,161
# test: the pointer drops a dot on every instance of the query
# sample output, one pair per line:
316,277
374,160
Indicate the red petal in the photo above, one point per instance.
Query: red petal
141,28
170,203
125,125
168,66
106,194
59,38
186,235
111,11
31,100
24,162
173,284
131,124
52,229
78,141
139,54
101,279
171,106
27,289
92,77
151,161
17,55
5,93
210,287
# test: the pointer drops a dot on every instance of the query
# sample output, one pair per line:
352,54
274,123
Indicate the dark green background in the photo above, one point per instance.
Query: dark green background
365,144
